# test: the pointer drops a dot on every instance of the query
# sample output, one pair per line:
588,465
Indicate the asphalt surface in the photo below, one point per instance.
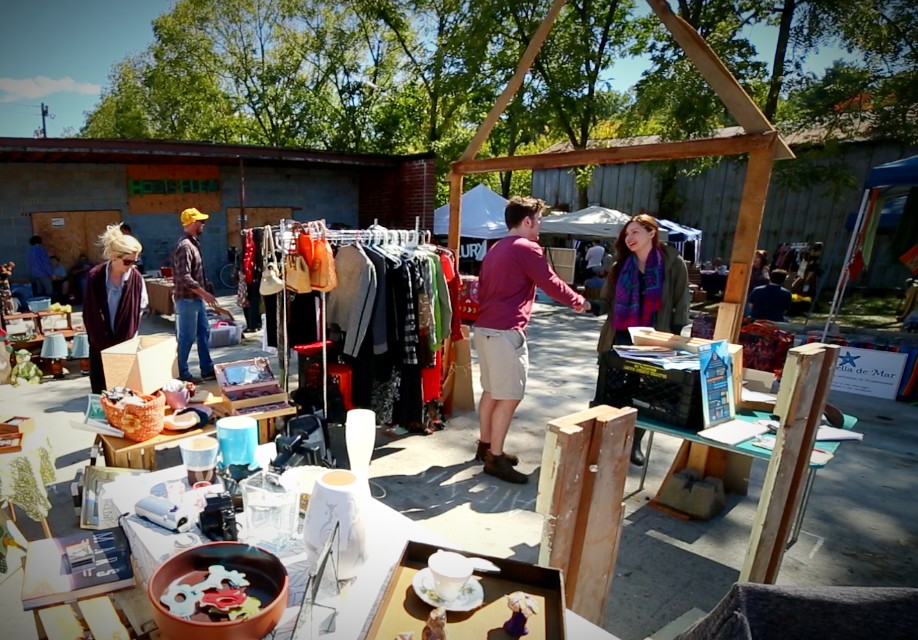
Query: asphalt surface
861,526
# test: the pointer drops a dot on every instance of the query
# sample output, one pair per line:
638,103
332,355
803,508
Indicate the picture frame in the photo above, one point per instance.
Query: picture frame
94,480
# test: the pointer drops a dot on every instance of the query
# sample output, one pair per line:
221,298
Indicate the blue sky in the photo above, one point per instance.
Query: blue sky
60,52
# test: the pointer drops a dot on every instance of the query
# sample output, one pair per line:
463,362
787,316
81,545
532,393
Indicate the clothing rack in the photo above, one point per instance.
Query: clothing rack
285,234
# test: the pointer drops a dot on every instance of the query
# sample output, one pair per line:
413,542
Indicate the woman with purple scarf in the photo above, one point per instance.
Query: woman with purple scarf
646,287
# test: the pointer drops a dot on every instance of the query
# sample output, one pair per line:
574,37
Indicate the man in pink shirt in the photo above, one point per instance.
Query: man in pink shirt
510,273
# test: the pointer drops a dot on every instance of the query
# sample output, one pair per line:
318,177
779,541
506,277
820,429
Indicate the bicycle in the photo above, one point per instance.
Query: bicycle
229,273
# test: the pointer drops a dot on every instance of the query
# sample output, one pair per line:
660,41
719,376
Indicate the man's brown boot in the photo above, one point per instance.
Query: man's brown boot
500,467
484,447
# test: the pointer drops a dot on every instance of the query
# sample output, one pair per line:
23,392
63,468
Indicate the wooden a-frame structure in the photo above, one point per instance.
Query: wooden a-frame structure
761,141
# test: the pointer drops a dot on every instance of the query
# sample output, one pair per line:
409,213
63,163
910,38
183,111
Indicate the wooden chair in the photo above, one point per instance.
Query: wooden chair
694,277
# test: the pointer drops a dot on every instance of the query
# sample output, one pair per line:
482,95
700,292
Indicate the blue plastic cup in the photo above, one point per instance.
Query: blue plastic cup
238,438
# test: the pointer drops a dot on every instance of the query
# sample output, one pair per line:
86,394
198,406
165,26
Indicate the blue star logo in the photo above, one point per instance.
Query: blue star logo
848,360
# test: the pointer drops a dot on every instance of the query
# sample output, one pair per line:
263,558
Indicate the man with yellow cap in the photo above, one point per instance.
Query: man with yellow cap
190,295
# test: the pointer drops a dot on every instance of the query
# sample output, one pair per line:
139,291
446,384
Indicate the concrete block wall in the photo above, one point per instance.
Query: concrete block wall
28,187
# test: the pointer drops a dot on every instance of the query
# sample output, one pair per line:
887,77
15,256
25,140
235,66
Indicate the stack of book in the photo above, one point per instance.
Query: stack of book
74,567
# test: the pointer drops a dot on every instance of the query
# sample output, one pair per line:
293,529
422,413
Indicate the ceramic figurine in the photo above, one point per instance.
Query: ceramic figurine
25,371
435,629
523,606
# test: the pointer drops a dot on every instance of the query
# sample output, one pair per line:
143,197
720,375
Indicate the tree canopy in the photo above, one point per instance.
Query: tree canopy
406,76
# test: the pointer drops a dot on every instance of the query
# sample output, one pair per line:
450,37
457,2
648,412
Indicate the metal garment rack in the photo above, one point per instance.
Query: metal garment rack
285,234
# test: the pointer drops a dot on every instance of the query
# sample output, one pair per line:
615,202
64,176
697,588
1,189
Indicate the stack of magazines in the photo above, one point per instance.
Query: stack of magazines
664,357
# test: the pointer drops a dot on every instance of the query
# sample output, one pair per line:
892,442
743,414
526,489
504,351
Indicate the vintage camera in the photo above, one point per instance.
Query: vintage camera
304,443
218,519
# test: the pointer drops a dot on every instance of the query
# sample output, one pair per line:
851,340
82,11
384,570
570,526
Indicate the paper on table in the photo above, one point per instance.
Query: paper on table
831,433
733,431
817,456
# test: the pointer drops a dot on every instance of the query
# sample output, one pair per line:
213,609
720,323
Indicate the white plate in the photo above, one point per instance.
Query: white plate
471,596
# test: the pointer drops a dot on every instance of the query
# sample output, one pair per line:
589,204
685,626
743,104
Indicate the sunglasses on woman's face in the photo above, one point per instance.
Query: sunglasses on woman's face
128,262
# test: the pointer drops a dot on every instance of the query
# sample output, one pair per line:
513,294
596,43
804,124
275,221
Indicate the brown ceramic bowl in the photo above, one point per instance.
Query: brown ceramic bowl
264,571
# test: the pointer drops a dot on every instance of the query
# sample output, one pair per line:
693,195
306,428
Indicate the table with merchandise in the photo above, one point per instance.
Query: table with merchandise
151,545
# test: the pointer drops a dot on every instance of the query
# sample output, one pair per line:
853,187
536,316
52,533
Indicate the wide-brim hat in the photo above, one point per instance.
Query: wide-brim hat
191,215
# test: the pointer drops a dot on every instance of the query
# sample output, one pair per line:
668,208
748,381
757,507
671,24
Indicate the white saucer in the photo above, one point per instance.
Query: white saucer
471,597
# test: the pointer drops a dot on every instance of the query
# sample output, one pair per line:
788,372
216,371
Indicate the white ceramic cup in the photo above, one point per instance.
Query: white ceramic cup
450,571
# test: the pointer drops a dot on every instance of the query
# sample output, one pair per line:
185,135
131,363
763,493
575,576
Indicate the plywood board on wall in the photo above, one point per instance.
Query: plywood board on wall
171,188
254,217
67,234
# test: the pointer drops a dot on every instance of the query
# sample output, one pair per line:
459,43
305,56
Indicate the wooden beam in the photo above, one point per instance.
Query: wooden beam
731,93
805,385
681,149
455,212
584,469
522,68
746,238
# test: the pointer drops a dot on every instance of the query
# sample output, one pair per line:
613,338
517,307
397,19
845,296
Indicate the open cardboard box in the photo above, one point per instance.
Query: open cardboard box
144,363
672,341
400,609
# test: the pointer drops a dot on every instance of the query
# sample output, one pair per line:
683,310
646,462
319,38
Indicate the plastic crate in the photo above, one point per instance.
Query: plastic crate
673,397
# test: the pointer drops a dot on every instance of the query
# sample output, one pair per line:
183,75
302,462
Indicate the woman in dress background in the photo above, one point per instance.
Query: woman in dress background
115,297
758,277
647,287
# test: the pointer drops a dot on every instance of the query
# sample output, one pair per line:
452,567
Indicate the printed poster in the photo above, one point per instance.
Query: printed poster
868,372
717,400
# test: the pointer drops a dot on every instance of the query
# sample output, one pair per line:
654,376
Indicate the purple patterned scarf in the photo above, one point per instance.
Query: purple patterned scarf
628,310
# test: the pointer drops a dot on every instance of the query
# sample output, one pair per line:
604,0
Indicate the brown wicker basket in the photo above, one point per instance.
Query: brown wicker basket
139,422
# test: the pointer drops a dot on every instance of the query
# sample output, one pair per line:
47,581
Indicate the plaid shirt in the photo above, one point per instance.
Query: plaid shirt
188,268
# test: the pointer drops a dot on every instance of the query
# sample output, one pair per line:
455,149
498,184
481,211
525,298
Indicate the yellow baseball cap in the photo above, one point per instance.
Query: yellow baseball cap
190,215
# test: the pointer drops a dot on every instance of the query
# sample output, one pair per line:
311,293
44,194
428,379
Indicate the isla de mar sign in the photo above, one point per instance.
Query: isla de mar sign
868,372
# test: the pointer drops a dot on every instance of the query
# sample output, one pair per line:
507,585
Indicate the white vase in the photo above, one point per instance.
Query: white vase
338,497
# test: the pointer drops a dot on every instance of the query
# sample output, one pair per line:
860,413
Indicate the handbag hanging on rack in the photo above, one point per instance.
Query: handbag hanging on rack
271,281
297,273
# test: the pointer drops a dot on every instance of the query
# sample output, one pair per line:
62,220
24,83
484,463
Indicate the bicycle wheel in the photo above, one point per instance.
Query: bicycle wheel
228,276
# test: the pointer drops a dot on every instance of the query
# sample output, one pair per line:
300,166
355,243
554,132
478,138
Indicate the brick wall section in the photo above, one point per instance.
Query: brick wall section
396,197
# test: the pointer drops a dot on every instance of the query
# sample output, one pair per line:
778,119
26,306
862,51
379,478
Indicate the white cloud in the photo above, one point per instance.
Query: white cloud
15,89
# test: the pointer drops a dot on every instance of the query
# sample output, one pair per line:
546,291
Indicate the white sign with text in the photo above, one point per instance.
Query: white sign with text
868,372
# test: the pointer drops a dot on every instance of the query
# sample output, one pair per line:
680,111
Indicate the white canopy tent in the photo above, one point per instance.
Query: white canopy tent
592,222
482,215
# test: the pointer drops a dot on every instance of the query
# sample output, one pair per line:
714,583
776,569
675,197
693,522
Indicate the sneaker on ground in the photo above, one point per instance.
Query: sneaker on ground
209,376
191,379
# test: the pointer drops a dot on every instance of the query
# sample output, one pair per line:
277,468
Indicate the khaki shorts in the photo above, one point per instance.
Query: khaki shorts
503,360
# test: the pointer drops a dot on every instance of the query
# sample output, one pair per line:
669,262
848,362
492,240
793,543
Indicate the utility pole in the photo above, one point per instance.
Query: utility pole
44,115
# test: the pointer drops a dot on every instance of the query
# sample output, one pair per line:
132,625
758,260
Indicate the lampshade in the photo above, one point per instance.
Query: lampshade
54,346
360,439
80,347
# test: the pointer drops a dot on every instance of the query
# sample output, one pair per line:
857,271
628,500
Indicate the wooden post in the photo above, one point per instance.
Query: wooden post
455,211
584,469
745,241
802,397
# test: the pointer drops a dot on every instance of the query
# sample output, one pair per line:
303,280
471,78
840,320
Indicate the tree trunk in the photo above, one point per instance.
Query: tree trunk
777,70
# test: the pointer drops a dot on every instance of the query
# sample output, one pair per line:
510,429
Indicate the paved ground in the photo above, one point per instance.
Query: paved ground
861,527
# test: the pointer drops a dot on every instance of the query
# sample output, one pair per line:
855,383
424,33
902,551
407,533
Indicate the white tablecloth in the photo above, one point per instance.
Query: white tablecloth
387,534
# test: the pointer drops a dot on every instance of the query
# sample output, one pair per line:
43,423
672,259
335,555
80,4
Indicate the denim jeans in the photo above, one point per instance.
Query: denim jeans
190,325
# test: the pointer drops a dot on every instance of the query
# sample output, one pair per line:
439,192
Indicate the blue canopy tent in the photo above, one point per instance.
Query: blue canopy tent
679,234
888,182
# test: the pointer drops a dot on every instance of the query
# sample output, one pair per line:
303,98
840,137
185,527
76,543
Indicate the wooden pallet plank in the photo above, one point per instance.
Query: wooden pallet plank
61,623
102,619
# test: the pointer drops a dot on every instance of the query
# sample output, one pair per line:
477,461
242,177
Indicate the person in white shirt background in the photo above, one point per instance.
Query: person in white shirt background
594,258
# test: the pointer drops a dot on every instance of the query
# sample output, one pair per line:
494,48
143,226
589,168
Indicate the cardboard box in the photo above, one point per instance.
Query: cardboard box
144,363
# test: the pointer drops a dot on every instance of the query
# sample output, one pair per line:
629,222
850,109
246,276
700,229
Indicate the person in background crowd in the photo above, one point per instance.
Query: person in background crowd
510,272
719,266
77,278
759,275
190,296
115,297
647,287
771,301
594,258
58,280
126,230
40,268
